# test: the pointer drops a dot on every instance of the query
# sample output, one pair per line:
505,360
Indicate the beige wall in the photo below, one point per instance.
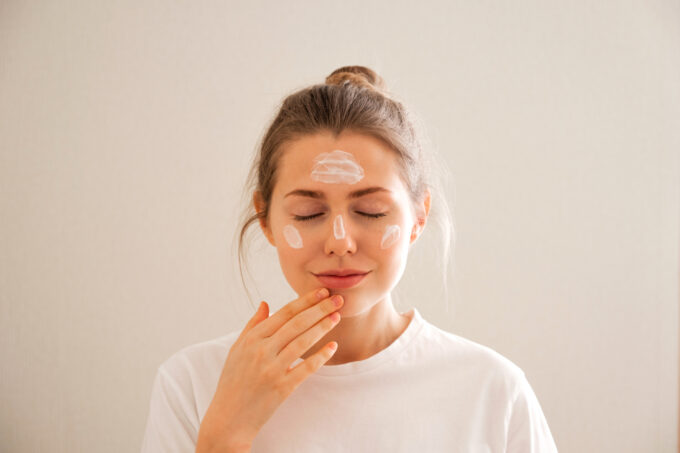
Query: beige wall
125,134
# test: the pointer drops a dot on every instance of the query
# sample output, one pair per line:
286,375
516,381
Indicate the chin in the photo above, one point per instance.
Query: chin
346,292
356,298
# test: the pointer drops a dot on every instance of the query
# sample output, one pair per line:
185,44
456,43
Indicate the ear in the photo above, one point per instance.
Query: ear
259,204
422,212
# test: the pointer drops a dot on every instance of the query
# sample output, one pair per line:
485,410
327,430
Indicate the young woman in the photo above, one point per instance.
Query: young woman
341,190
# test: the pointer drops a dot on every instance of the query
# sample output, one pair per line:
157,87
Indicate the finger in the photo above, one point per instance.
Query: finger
310,365
294,349
282,316
261,314
300,333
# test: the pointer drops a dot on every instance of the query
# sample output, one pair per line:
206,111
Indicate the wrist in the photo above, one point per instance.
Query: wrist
207,444
217,438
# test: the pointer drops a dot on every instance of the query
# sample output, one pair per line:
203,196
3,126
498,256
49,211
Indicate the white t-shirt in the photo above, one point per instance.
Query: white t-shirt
428,391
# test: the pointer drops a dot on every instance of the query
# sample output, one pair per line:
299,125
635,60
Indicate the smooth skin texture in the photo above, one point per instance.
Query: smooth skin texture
369,321
257,378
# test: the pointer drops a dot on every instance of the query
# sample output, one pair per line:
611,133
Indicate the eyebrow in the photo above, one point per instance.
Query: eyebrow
320,195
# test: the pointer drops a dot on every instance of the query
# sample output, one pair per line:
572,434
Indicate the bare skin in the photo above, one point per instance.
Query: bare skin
360,347
257,378
257,375
369,322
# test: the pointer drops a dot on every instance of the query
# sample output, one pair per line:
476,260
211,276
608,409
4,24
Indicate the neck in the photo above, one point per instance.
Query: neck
365,334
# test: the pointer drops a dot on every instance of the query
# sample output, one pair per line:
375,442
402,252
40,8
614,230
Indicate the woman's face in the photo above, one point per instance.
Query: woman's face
340,204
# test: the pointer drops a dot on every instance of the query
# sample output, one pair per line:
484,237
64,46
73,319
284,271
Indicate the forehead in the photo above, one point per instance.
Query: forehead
378,161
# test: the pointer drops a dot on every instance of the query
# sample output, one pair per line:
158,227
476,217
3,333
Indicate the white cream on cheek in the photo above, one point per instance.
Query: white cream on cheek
337,167
391,235
292,236
338,228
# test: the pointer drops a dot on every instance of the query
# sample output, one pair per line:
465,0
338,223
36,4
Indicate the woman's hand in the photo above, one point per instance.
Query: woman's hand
257,378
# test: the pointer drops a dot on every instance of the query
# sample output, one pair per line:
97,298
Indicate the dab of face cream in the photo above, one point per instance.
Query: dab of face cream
390,236
292,236
338,228
337,167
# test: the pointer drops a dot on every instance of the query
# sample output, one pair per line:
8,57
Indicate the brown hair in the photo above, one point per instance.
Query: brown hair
353,98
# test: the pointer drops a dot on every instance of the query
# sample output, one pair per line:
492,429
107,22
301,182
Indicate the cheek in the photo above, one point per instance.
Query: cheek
390,236
292,237
294,249
389,245
392,247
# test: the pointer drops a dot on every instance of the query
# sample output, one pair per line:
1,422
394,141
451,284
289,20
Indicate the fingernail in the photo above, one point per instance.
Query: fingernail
337,300
322,293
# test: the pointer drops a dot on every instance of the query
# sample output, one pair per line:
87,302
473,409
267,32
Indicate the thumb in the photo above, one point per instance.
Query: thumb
261,314
262,311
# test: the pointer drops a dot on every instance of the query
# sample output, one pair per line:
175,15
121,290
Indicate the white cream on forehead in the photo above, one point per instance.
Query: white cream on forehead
391,235
337,167
338,228
292,236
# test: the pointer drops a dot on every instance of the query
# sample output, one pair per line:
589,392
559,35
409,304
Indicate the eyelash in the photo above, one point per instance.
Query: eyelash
309,217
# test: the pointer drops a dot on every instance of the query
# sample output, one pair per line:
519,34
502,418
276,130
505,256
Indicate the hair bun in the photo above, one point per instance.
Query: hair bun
357,75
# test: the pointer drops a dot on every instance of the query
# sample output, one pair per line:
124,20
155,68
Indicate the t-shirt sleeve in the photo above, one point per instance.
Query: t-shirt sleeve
169,427
528,430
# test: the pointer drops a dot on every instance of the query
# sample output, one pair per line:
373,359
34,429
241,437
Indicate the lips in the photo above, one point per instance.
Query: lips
341,278
342,272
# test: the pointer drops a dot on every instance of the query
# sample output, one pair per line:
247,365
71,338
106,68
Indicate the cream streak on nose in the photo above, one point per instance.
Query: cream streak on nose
292,236
338,228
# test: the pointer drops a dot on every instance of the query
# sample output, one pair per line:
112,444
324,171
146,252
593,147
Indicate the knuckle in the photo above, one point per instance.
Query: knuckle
310,365
249,339
259,354
319,293
298,324
257,349
268,375
329,307
282,388
287,311
327,323
301,344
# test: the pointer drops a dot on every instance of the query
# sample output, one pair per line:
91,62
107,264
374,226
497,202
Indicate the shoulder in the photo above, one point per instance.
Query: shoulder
181,393
477,360
198,360
469,351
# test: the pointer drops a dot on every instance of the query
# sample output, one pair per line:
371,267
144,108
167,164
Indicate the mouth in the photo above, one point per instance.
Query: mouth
341,279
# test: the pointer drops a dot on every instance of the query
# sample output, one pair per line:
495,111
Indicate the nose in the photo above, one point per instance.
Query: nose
339,240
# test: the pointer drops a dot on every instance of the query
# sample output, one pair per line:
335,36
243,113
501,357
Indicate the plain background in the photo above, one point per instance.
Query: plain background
127,128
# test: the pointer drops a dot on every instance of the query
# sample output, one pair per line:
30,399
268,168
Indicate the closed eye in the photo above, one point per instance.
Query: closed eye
375,216
306,217
365,214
